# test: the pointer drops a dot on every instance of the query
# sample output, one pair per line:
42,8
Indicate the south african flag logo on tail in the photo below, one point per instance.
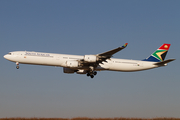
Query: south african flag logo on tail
160,54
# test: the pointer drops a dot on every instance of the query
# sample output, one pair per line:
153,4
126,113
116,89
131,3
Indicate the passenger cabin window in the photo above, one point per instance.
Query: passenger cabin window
9,53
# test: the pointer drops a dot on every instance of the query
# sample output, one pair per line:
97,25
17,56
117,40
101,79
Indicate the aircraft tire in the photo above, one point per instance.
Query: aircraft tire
17,67
88,74
95,73
92,76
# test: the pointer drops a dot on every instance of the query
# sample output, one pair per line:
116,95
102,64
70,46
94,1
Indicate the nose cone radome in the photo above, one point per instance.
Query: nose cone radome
8,57
5,56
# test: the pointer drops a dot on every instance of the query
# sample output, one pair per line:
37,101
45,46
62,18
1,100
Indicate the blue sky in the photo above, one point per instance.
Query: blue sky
89,27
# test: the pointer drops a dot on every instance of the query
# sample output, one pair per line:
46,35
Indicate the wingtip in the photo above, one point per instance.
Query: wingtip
125,45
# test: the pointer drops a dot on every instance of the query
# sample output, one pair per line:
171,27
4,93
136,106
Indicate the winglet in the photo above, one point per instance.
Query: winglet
125,45
111,52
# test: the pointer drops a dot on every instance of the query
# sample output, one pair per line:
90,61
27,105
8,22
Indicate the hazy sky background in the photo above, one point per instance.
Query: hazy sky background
89,27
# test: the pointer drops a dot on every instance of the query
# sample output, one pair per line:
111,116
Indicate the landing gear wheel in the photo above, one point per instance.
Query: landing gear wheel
17,67
92,76
88,74
95,73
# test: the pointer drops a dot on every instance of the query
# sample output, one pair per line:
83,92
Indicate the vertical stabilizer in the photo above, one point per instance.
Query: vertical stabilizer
160,54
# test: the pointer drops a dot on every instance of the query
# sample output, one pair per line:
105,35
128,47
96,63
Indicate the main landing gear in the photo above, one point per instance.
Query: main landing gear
92,74
17,63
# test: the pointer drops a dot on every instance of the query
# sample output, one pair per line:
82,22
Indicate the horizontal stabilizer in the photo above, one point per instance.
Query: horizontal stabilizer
164,62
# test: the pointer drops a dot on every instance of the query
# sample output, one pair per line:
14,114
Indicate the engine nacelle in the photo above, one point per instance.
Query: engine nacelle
68,70
72,63
81,72
90,58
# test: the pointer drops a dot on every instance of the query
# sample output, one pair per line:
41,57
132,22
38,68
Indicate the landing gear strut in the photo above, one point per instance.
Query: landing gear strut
17,63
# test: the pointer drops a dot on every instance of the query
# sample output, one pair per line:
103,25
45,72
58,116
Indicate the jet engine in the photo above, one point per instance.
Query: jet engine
72,63
68,70
90,58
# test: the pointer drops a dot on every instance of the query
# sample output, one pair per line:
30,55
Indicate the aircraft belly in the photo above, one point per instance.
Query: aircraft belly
130,67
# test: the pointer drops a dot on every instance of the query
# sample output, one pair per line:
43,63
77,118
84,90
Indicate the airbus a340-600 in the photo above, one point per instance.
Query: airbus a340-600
90,64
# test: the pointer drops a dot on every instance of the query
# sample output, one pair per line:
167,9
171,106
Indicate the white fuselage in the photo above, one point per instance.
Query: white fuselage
50,59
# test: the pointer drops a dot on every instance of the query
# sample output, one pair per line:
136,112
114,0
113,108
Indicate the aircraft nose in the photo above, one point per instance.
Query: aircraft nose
5,56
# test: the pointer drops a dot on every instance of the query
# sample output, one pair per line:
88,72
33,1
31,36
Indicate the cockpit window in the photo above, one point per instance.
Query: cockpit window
9,53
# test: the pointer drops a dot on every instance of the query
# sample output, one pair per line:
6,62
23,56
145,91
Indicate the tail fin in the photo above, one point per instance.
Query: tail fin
160,54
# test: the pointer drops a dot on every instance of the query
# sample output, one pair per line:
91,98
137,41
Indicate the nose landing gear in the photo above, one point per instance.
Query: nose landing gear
17,63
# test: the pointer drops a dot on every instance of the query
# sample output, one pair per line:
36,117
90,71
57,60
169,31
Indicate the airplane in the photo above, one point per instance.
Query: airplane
90,64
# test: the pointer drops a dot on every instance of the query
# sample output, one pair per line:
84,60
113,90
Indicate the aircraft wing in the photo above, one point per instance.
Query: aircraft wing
109,54
94,60
164,62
